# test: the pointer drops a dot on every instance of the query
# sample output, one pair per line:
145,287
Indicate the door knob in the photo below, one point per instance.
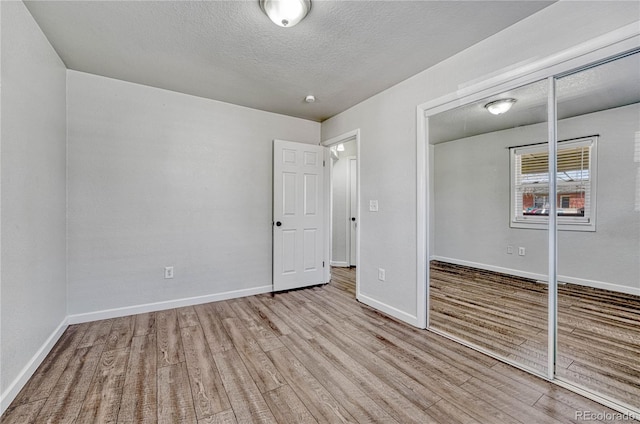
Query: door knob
353,218
278,223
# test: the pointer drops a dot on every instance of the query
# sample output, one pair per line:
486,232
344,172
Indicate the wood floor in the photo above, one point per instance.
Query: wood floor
307,356
598,330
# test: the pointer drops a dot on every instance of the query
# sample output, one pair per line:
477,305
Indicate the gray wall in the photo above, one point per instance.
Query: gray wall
158,178
387,124
471,204
32,182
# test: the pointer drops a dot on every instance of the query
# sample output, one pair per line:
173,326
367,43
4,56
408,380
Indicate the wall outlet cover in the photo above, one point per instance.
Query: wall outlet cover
168,272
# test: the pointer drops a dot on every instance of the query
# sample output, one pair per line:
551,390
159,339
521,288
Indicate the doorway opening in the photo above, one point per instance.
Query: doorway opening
343,210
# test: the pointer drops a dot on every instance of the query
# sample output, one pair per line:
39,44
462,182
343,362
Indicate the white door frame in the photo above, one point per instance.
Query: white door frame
343,138
352,210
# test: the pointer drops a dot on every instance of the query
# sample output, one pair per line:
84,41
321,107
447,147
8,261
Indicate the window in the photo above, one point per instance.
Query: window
576,165
540,201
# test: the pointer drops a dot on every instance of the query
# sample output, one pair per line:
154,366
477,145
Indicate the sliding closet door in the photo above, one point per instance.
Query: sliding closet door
489,225
598,203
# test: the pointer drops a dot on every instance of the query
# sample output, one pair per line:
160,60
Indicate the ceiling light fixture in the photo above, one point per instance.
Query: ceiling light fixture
499,107
340,148
310,98
285,13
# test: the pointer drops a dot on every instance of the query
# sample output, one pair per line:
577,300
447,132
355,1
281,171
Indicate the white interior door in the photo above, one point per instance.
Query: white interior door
353,207
298,215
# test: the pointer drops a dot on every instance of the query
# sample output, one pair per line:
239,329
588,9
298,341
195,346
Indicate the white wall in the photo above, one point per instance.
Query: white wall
471,204
32,182
341,226
387,124
158,178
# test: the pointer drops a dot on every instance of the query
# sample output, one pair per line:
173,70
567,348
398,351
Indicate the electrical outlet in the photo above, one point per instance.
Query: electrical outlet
381,274
522,251
510,250
168,272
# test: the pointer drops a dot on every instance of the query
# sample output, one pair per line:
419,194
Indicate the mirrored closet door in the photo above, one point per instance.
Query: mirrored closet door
489,238
598,203
534,228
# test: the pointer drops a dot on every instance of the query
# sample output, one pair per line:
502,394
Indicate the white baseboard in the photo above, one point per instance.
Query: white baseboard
389,310
340,264
25,374
542,277
169,304
516,272
599,285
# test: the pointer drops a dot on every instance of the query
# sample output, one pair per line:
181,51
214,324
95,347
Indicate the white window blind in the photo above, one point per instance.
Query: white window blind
575,183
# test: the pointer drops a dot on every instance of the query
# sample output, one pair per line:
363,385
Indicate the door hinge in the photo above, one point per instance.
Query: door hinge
322,264
324,164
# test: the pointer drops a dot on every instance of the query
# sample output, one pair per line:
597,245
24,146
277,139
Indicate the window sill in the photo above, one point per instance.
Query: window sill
532,225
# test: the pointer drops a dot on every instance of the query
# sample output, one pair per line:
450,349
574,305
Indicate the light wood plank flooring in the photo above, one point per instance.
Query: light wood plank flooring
598,330
307,356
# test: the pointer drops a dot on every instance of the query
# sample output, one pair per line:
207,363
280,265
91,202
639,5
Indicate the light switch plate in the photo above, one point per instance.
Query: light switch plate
373,206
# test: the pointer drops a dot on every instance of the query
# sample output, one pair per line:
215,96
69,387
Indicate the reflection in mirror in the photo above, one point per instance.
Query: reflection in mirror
599,255
488,276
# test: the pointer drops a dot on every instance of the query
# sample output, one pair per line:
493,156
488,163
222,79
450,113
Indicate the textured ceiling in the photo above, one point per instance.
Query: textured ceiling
343,52
610,85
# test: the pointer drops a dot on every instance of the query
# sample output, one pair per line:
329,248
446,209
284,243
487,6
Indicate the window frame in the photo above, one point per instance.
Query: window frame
565,223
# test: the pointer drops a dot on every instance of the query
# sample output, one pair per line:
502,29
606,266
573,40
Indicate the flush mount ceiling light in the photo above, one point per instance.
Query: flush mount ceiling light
340,148
286,13
499,107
